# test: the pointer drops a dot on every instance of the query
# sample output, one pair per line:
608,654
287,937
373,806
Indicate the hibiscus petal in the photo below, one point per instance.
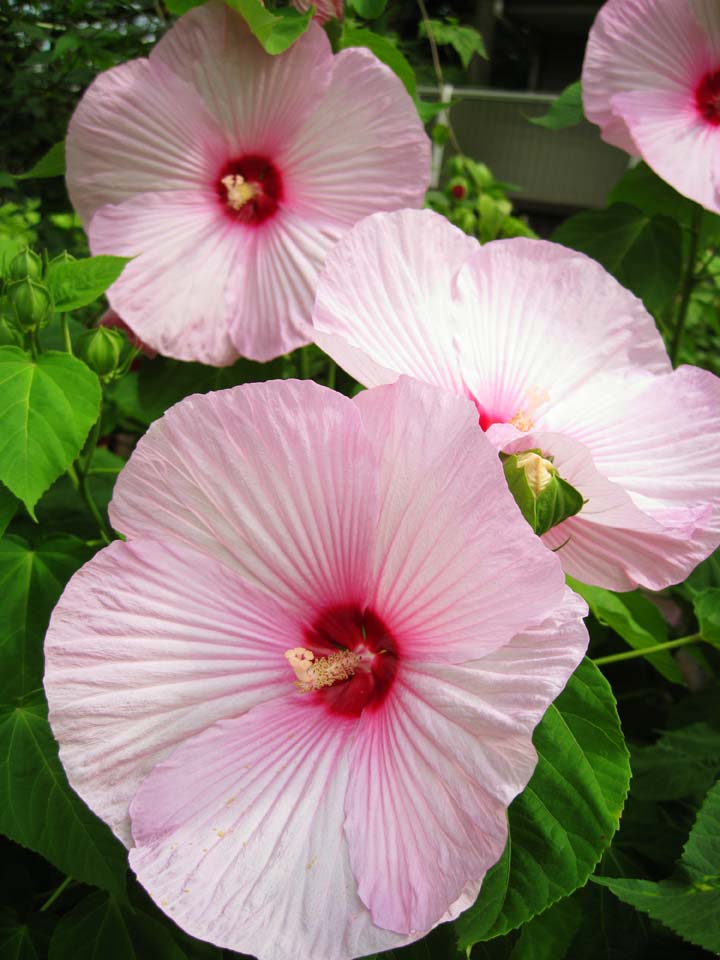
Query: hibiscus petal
260,100
277,480
640,45
387,291
433,772
674,140
345,163
149,645
541,320
445,510
239,837
139,129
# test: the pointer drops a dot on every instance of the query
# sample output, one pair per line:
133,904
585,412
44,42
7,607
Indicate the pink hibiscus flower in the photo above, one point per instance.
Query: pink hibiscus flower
651,81
557,356
229,173
304,690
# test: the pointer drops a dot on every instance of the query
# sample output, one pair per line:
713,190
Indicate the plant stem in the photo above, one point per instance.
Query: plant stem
304,363
332,370
689,281
56,893
437,67
87,497
80,469
66,333
646,651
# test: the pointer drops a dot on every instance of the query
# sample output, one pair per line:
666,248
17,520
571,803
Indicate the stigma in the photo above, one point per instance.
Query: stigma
523,419
239,191
314,674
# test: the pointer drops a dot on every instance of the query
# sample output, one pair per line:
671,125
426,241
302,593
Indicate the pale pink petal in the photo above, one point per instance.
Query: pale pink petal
673,140
149,645
433,772
139,129
364,149
279,285
640,45
260,101
277,480
615,541
541,321
239,837
172,305
387,291
445,511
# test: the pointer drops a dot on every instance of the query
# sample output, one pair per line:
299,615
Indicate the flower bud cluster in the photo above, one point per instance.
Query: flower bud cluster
27,301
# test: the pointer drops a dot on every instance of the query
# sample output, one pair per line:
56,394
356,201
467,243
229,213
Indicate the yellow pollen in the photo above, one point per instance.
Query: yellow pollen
239,191
523,419
314,674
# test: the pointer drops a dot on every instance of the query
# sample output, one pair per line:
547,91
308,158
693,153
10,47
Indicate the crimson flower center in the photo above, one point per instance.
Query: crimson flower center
707,97
250,189
349,660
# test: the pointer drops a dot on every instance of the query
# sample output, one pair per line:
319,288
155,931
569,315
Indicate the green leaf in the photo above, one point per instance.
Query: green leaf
707,611
51,164
428,111
384,50
39,810
565,111
8,506
465,41
47,407
100,926
689,903
682,763
634,618
24,940
77,283
549,935
31,581
178,7
276,30
368,9
644,189
566,816
643,253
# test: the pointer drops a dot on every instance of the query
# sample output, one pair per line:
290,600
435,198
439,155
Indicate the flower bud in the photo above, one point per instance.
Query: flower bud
26,263
10,336
465,219
100,348
30,304
544,498
63,257
458,187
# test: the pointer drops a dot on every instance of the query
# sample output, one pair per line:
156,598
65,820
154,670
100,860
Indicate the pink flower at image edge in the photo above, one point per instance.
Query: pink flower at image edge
651,81
303,691
556,356
227,174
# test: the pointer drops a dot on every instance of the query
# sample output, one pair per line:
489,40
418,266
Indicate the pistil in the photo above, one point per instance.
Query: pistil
314,674
239,191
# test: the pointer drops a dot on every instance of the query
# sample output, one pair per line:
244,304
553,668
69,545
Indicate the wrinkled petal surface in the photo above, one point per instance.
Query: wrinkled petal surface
446,514
149,645
433,773
643,63
239,837
277,480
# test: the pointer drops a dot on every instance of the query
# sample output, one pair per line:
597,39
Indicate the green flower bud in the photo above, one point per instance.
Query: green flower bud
30,304
544,498
458,187
100,348
63,257
10,336
465,219
26,263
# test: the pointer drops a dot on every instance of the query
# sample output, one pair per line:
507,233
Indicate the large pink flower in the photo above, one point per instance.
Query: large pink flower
651,81
228,174
557,356
304,690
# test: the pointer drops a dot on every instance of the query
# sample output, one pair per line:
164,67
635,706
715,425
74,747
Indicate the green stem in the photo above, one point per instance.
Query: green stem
646,651
689,281
58,891
304,363
332,370
81,468
66,333
87,497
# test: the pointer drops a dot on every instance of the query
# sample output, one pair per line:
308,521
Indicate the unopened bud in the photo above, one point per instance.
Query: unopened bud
26,263
544,498
458,187
100,348
63,257
466,220
30,304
